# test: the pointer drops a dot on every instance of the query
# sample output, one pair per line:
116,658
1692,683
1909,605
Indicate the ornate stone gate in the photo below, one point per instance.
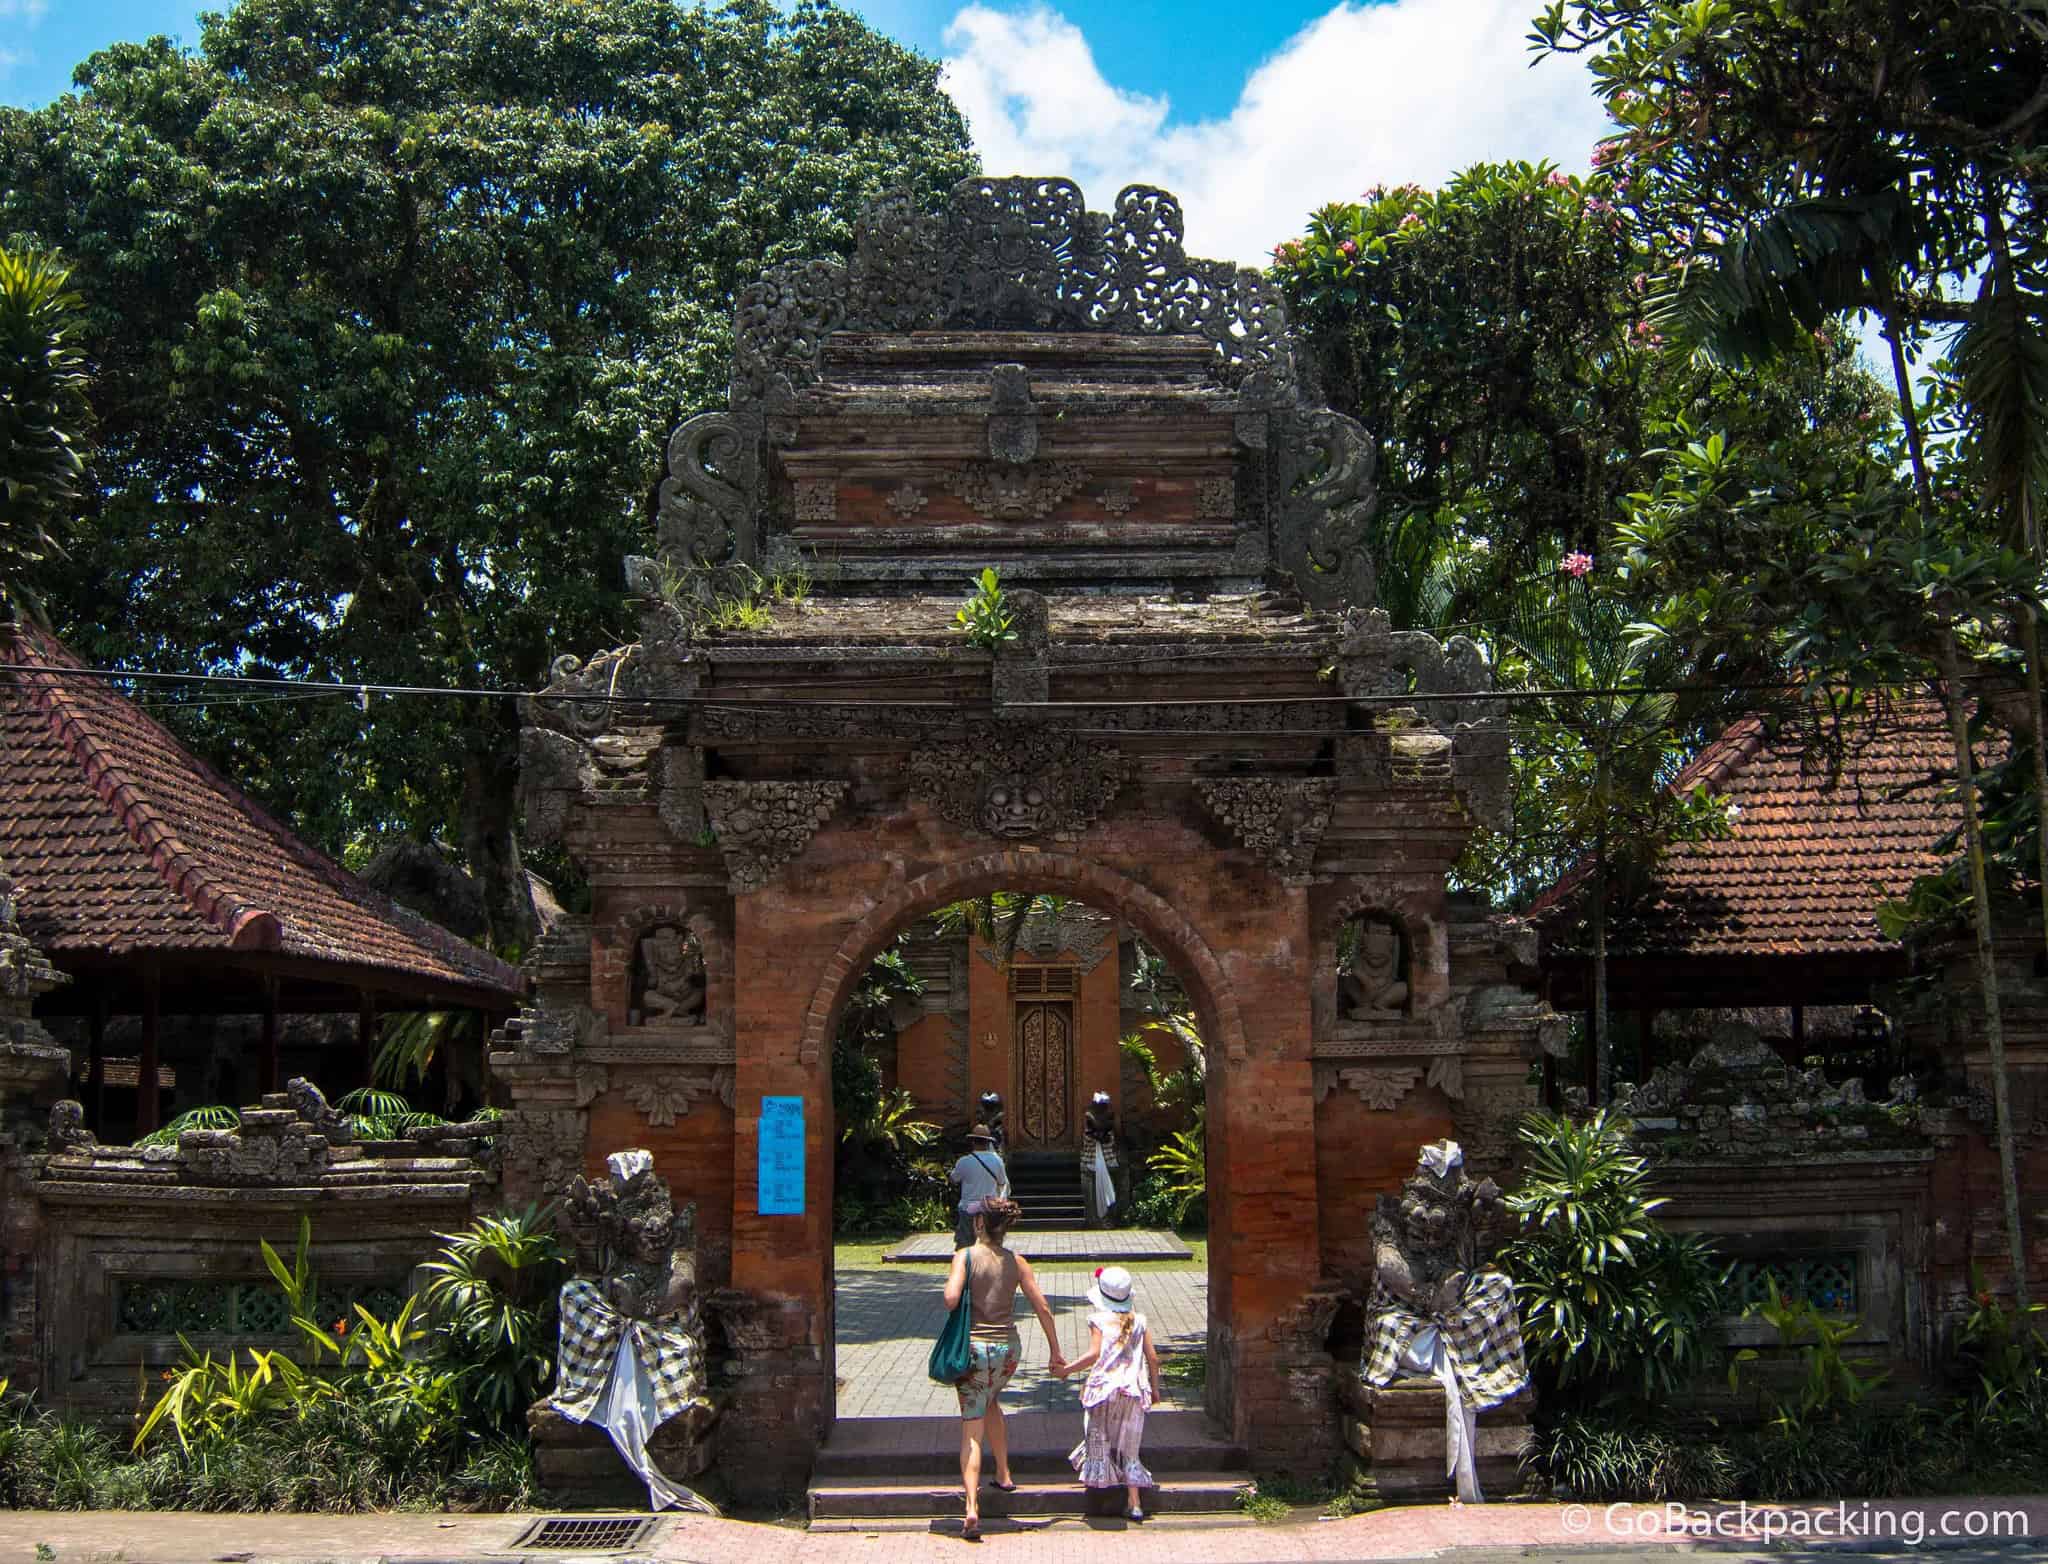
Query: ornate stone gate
1200,726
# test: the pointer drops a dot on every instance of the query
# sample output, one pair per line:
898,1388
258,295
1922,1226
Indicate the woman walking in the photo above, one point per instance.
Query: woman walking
1123,1382
990,1276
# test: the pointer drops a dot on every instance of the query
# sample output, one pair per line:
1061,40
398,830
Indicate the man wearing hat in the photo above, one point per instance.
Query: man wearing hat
981,1176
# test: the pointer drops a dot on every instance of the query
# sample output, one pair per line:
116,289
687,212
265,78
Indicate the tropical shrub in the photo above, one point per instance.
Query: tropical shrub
494,1295
987,617
1611,1303
213,1116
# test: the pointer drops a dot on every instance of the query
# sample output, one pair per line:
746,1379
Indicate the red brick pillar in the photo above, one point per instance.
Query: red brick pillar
778,1317
1265,1259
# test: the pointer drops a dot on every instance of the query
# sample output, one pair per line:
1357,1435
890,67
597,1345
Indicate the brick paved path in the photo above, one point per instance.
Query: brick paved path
1547,1532
889,1317
1093,1245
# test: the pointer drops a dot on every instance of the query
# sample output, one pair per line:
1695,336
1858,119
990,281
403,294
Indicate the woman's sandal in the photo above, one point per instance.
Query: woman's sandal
1002,1487
970,1531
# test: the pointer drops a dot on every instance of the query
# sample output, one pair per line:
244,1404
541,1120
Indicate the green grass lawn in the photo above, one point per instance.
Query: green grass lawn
859,1254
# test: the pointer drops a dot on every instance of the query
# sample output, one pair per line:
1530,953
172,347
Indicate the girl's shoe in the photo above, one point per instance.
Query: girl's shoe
1134,1514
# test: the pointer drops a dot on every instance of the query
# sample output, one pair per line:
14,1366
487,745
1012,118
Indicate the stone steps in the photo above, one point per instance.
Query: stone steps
907,1469
935,1498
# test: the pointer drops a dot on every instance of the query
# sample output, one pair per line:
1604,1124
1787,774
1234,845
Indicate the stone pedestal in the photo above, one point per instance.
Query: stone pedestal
580,1469
1398,1435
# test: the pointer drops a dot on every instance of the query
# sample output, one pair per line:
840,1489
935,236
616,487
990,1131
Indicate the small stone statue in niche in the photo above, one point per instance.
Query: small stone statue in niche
671,976
1375,983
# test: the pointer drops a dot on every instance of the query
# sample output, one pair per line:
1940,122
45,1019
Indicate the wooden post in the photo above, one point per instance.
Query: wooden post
270,1066
1798,1036
147,1090
366,1035
96,1060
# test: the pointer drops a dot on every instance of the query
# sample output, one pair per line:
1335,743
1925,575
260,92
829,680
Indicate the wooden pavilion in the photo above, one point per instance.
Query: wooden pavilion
1783,912
163,890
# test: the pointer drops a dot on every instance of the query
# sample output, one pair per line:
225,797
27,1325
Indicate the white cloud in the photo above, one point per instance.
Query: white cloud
29,11
1376,93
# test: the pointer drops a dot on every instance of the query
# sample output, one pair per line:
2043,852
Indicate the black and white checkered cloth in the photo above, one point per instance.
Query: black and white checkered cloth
1482,1333
590,1340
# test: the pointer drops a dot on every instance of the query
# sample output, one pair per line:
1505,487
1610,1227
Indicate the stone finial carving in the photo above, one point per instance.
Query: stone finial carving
1376,660
68,1133
1440,1309
1013,254
762,825
1374,984
703,512
1019,783
668,976
1325,466
311,1105
1280,818
25,976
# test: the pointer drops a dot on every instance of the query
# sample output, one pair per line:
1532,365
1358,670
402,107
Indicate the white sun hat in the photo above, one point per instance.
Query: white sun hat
1112,1289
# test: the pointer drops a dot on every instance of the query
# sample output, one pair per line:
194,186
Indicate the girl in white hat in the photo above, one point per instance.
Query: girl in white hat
1123,1382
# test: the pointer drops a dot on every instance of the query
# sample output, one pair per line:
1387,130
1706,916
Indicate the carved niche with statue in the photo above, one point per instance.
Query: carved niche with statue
1375,981
668,977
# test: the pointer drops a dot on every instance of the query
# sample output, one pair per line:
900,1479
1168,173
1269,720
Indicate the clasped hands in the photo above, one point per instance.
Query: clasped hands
1059,1366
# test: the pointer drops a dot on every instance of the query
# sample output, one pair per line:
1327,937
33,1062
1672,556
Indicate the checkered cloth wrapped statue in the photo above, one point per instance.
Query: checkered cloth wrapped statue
1439,1311
631,1356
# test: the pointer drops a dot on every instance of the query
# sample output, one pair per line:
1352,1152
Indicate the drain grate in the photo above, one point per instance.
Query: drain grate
586,1534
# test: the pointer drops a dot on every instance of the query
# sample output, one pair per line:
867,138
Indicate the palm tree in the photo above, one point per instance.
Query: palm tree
43,416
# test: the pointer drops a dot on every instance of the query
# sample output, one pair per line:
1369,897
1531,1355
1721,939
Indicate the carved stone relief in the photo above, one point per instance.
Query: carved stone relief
1019,782
906,500
762,825
816,499
668,976
1005,491
1280,818
1117,498
1379,1087
1215,499
664,1098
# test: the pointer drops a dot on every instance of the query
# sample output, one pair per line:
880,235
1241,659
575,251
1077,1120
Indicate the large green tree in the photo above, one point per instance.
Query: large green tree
393,303
1802,158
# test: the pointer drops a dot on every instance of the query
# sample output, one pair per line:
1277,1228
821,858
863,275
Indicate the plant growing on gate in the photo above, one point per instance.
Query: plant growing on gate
986,616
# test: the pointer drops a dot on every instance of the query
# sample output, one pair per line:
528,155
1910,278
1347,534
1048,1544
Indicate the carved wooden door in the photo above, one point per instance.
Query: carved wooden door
1045,1066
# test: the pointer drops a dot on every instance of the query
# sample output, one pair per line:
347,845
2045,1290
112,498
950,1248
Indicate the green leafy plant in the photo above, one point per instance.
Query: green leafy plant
1183,1162
213,1116
1830,1381
1610,1301
493,1293
986,616
375,1114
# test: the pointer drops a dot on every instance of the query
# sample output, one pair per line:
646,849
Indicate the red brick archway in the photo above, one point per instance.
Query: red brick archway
1058,873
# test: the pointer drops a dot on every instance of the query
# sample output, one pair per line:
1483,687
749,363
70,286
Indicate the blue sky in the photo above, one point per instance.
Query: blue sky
1254,114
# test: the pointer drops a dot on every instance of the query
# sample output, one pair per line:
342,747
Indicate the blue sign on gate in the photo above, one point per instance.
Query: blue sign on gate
781,1157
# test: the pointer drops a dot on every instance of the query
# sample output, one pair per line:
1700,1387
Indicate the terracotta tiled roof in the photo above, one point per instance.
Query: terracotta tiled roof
122,842
1812,855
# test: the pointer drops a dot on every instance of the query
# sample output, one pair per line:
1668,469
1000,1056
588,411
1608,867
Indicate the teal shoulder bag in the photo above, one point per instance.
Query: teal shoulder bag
951,1361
